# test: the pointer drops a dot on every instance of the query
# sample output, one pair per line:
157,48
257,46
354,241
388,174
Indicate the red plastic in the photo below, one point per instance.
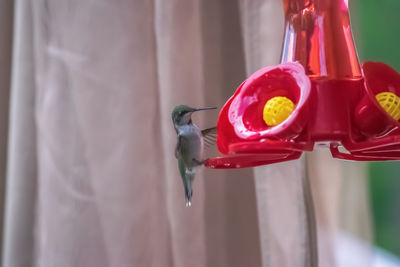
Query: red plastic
335,98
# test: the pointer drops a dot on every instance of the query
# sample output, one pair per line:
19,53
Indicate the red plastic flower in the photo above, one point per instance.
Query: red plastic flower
241,119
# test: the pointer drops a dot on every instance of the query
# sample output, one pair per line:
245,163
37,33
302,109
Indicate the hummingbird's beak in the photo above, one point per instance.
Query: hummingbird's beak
207,108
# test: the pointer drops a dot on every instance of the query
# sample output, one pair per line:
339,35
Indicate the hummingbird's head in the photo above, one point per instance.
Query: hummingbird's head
182,114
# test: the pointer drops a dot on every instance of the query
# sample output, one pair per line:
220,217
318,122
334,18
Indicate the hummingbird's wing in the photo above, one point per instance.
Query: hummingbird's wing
210,136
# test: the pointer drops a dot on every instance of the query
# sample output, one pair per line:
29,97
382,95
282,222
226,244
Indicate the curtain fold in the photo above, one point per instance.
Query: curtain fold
343,216
21,183
6,27
99,148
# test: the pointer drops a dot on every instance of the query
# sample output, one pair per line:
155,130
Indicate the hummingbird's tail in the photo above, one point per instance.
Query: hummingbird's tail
187,183
187,179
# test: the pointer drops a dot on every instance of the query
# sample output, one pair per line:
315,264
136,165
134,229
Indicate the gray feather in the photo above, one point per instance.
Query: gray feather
209,136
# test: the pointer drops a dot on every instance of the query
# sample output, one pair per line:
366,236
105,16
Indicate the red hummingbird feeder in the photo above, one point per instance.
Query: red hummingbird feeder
318,96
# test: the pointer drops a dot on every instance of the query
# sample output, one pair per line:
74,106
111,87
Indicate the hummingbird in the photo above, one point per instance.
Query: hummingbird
190,145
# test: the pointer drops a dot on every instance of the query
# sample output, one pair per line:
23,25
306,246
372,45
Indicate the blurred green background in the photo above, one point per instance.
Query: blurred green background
376,30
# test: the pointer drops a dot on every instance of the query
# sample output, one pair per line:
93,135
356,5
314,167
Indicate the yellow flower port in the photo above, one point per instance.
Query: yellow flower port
390,103
277,109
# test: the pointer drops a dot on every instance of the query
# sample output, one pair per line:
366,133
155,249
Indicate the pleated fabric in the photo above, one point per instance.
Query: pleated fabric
6,31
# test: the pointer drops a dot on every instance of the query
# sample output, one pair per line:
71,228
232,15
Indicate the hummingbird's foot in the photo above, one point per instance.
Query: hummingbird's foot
198,162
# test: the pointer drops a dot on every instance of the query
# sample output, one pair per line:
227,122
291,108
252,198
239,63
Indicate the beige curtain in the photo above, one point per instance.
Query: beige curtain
91,177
